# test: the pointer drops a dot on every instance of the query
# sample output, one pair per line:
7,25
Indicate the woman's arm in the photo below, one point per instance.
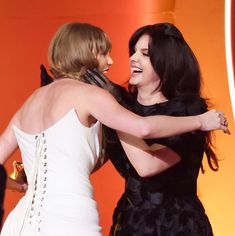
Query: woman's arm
147,160
149,163
15,185
8,143
103,107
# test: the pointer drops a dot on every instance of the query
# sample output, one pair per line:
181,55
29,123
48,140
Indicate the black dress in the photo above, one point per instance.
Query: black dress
165,204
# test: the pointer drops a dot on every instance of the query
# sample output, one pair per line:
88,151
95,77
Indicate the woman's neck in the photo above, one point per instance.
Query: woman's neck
146,97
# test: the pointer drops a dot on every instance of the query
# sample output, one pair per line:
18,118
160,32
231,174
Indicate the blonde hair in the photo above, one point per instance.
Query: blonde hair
74,49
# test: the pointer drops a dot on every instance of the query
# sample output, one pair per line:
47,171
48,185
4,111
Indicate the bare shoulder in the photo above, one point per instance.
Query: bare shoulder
17,116
88,90
28,101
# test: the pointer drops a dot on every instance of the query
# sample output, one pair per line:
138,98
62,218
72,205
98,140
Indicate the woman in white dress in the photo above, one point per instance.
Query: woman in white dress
58,131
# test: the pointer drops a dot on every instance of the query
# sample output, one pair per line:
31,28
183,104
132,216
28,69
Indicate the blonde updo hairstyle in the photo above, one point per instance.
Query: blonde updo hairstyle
74,49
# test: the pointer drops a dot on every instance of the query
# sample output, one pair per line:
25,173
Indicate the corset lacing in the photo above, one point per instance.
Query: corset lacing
37,184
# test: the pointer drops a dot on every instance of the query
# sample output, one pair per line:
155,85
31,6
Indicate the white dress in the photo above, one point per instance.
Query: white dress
59,200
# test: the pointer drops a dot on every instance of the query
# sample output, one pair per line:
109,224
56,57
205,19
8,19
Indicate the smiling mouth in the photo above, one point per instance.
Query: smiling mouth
105,70
136,70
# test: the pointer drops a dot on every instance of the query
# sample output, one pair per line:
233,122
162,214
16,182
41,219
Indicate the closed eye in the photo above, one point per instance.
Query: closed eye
145,52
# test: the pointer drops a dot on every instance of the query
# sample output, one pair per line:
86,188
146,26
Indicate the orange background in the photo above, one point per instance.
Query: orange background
26,29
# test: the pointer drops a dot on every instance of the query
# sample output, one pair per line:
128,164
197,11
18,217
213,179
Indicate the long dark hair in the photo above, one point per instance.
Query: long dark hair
177,67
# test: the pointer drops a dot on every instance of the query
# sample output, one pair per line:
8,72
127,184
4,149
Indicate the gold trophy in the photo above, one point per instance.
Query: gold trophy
18,173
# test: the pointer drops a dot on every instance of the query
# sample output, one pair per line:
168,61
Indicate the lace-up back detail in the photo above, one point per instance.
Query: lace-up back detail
58,163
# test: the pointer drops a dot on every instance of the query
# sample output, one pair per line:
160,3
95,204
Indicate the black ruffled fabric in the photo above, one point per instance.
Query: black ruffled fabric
165,204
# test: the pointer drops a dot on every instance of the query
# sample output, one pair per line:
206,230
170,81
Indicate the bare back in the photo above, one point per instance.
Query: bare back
49,104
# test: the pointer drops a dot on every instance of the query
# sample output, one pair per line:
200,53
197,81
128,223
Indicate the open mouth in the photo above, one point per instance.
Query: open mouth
136,70
105,70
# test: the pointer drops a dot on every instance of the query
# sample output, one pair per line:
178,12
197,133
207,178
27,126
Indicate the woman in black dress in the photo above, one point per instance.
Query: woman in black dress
160,197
